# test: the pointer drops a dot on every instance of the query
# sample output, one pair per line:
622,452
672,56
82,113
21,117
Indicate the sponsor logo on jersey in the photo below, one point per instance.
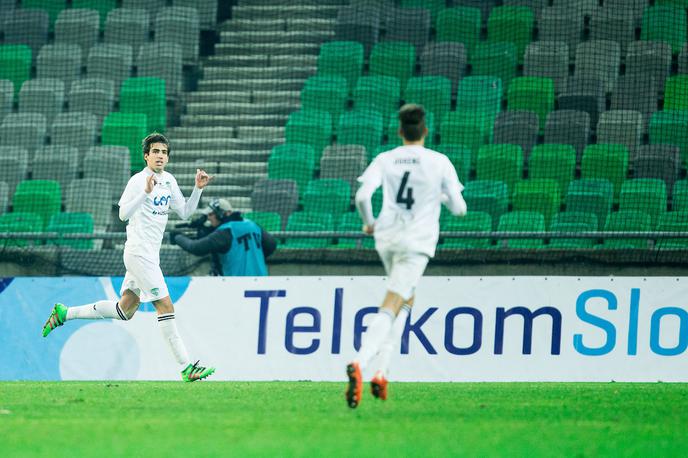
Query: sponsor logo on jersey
162,200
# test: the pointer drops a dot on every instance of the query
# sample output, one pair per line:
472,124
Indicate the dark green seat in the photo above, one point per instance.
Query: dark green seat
460,157
489,196
481,97
513,24
647,195
126,129
676,93
473,221
573,222
393,58
500,162
557,162
328,195
308,222
325,93
670,128
495,59
15,65
145,95
464,128
606,161
537,195
351,222
665,23
310,127
377,93
341,58
20,222
532,93
590,196
623,221
42,197
673,222
362,127
433,92
679,196
292,161
521,221
435,7
270,221
461,25
71,223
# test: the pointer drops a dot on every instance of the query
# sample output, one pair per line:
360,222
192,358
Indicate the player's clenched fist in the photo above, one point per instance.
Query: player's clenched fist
202,178
150,183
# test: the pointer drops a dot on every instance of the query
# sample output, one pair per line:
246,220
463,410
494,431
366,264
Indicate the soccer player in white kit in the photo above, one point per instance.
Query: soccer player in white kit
145,203
415,181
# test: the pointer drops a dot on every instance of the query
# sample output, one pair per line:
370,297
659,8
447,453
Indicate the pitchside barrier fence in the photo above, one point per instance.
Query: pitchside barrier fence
566,120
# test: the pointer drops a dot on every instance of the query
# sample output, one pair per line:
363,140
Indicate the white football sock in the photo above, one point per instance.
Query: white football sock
168,326
374,336
392,341
96,311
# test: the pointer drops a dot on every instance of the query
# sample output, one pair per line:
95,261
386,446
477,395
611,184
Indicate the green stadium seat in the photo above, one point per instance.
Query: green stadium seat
473,221
341,58
328,195
464,128
270,221
573,222
435,7
665,23
393,137
308,222
537,195
102,6
647,195
42,197
20,222
461,25
15,65
521,221
679,196
70,223
513,24
481,96
676,93
623,221
433,92
673,222
351,222
377,93
502,163
393,58
489,196
497,59
145,95
311,127
292,161
460,157
52,7
325,93
590,196
606,161
126,129
363,127
553,161
532,93
670,128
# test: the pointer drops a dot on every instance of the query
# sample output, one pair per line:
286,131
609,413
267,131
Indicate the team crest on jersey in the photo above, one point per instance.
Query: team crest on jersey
155,291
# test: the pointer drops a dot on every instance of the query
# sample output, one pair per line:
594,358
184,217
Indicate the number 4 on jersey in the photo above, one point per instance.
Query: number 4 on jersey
408,199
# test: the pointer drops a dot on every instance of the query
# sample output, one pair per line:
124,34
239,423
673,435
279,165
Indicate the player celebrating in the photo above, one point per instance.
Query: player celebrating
146,202
415,181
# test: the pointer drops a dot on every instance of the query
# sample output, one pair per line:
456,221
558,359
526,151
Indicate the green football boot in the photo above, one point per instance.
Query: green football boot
57,318
195,372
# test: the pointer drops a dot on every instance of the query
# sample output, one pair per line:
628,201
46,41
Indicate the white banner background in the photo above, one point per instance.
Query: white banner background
221,328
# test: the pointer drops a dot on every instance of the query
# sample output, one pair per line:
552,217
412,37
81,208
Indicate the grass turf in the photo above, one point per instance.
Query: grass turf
77,419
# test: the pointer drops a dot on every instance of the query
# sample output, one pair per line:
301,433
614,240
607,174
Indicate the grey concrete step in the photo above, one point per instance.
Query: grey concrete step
239,180
292,2
277,25
291,72
238,109
250,49
243,167
262,61
302,36
224,150
236,121
263,12
215,167
243,96
261,84
187,132
267,132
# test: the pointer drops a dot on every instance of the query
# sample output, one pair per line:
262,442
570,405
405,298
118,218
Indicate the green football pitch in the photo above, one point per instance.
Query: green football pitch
207,419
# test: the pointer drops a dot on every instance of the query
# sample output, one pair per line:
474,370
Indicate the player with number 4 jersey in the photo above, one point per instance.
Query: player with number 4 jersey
415,182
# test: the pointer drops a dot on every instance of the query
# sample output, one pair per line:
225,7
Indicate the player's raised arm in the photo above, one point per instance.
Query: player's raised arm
451,188
133,196
185,207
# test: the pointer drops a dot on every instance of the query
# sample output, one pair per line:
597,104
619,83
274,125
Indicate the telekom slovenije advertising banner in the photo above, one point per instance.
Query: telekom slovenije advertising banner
308,328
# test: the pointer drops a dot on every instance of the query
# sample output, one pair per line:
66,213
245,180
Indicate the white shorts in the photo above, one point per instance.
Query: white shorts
144,278
404,271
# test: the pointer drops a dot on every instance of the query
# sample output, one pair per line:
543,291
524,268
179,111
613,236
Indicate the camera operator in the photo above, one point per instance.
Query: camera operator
238,246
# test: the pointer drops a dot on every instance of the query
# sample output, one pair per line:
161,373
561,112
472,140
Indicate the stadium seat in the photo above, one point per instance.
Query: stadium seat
61,61
548,59
517,128
568,127
95,96
76,129
409,26
346,165
23,130
279,196
20,222
676,93
111,61
539,195
27,27
635,6
93,196
351,222
591,196
355,153
393,58
682,59
459,25
573,222
613,24
485,6
561,24
489,196
521,221
102,6
152,6
310,127
341,58
434,7
292,161
269,221
4,197
648,195
584,94
585,7
679,194
672,222
360,128
670,128
66,223
536,6
164,61
657,161
59,163
15,64
126,129
14,166
433,92
42,197
460,157
623,221
327,195
6,98
145,95
481,97
445,59
79,27
609,162
111,163
665,23
325,93
649,59
599,59
377,93
502,163
624,127
473,221
534,94
52,7
42,95
496,59
557,162
207,11
513,24
464,128
360,24
180,25
636,92
127,26
309,222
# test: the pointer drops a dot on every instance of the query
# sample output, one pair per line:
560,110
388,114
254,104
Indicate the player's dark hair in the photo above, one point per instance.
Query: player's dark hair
412,122
155,137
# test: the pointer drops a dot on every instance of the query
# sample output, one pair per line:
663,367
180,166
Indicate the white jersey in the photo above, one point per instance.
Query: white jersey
415,181
147,213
